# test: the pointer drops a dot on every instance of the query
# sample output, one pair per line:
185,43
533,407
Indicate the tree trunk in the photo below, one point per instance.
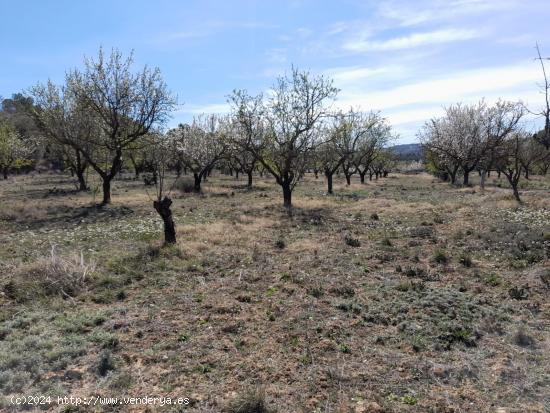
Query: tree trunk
329,182
249,184
163,209
348,179
526,173
106,190
316,173
362,176
198,179
287,194
136,169
483,174
5,173
82,186
516,192
466,180
237,174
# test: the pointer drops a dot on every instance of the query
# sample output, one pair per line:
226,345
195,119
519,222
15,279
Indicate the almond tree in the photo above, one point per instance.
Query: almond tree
342,133
248,128
467,135
371,146
293,113
510,156
66,124
128,105
439,158
201,144
241,160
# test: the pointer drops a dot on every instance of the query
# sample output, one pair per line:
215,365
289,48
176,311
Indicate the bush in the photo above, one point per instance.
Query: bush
252,401
465,260
440,257
149,179
352,242
105,364
522,339
280,243
185,184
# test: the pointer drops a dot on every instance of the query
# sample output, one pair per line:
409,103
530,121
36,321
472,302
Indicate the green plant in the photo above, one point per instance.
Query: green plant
409,399
344,348
519,293
106,363
352,242
280,243
465,260
493,280
440,257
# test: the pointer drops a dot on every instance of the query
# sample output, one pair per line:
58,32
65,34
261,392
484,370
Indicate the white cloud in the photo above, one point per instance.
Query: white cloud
412,14
412,40
451,88
409,104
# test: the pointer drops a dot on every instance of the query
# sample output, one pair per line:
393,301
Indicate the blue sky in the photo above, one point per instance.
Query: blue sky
404,58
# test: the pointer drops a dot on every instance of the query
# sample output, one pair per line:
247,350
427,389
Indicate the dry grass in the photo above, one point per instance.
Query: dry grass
48,276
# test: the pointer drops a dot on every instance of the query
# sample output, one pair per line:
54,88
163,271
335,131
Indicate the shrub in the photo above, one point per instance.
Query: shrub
440,257
185,184
252,401
344,348
105,364
149,179
280,243
519,293
352,242
522,339
465,260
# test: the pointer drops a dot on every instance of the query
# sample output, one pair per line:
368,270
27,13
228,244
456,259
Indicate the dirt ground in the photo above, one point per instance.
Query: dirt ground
400,295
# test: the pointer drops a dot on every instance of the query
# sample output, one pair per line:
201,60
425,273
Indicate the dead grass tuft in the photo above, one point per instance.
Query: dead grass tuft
48,276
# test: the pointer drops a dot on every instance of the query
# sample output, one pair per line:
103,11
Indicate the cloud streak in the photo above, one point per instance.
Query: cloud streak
412,40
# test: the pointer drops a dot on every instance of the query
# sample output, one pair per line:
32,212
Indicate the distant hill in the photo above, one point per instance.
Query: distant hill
408,151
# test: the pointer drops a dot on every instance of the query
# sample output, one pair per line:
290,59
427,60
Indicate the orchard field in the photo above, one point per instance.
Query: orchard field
404,294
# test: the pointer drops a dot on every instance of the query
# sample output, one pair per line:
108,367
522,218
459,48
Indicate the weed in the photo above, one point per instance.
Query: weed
352,242
465,260
250,401
440,257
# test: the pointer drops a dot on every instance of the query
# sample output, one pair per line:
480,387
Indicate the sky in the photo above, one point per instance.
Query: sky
406,59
